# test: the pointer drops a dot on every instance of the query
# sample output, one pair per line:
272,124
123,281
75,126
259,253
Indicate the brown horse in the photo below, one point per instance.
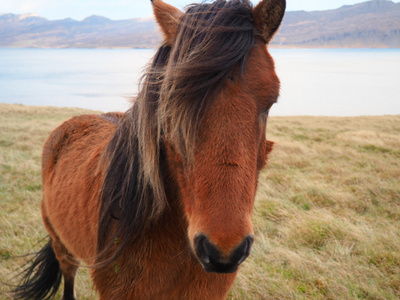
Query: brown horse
158,201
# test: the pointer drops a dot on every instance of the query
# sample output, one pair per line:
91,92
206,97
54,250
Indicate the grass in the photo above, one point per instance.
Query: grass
326,218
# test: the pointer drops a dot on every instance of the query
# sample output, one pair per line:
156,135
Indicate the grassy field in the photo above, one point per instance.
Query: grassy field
327,215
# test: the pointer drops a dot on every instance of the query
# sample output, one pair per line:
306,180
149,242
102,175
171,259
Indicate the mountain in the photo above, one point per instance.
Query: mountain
370,24
366,25
92,32
26,18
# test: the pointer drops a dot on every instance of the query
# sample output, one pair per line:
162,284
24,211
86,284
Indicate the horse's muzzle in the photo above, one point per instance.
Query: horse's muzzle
214,261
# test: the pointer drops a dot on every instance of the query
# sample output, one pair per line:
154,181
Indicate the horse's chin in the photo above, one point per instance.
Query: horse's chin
221,268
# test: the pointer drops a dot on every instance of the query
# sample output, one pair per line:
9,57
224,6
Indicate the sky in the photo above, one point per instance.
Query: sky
127,9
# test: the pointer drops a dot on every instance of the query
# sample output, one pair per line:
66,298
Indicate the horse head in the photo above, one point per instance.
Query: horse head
218,86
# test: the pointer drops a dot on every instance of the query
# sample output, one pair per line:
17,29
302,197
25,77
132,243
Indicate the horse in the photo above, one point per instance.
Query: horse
157,201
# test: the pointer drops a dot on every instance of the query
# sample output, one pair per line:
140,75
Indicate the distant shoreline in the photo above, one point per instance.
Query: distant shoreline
154,48
4,105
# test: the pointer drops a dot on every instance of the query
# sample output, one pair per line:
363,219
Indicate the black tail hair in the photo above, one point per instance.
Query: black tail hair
42,278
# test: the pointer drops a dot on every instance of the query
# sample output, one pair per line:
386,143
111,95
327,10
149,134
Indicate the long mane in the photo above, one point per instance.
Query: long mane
211,44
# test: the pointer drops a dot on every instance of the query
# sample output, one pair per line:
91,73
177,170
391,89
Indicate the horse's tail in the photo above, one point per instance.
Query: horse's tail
41,279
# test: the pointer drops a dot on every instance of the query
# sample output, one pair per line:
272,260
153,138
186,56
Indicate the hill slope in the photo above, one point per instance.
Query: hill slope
92,32
370,24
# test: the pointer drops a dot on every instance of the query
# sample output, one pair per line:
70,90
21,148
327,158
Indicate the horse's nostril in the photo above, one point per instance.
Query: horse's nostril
243,250
212,259
206,251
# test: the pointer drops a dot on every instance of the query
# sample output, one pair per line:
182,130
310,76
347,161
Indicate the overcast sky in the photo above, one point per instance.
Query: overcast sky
126,9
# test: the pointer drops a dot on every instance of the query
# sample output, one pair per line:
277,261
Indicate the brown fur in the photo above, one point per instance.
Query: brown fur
130,193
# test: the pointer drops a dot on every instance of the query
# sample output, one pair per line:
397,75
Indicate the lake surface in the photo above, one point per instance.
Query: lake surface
330,82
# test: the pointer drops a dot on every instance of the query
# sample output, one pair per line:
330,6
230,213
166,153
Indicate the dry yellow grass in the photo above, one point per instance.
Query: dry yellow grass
326,218
327,212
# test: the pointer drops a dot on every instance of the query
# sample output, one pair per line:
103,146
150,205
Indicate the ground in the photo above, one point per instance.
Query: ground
326,216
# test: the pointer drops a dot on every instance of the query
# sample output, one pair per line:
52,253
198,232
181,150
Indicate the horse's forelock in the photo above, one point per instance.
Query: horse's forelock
212,40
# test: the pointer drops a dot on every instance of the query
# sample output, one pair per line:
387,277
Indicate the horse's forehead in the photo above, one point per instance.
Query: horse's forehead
259,87
242,99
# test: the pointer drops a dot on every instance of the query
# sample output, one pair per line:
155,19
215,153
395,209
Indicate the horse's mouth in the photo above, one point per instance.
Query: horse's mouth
220,268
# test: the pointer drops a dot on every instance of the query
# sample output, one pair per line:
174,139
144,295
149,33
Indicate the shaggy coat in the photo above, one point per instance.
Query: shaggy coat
158,200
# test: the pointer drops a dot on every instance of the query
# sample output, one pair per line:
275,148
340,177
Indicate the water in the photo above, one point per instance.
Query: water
338,82
331,82
88,78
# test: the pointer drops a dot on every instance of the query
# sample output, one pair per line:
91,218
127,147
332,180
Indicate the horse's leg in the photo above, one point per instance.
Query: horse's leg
68,264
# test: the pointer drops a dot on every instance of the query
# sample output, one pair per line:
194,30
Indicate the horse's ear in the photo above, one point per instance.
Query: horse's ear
168,18
268,15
